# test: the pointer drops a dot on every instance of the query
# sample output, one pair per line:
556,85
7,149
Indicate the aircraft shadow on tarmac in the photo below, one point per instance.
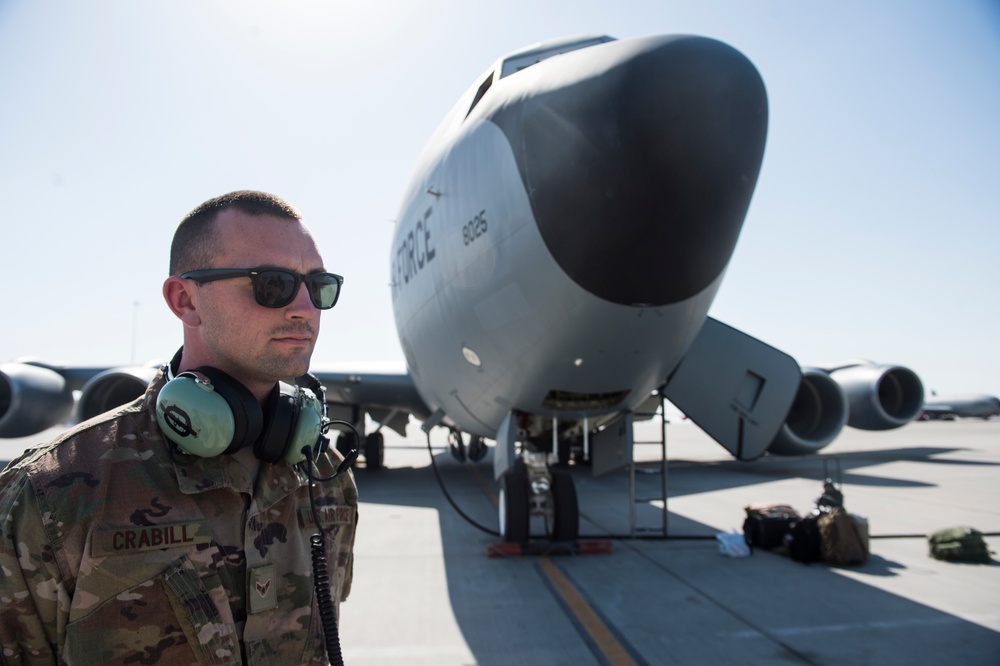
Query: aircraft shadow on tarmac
684,476
604,509
729,473
760,609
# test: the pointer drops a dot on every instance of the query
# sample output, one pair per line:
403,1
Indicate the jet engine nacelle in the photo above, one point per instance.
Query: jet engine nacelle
817,416
862,395
880,397
32,399
113,388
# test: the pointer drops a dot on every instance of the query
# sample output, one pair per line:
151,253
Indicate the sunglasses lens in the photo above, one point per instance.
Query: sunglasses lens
274,289
323,290
277,288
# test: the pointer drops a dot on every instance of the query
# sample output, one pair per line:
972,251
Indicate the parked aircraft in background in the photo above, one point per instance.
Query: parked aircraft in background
950,407
557,251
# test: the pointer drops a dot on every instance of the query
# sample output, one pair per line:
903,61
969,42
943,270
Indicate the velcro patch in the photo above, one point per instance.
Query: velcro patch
329,515
263,595
126,540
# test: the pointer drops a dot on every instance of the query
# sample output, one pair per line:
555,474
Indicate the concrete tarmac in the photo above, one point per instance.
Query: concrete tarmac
425,591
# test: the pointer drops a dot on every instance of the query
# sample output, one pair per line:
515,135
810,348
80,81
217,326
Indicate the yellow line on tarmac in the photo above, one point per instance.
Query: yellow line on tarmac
591,622
586,616
487,487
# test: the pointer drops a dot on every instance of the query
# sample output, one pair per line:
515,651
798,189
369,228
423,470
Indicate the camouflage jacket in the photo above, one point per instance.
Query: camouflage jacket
115,553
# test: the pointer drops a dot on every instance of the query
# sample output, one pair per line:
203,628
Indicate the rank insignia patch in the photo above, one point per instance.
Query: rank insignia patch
263,595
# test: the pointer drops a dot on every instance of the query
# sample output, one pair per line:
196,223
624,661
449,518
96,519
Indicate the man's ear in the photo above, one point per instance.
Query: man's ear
182,300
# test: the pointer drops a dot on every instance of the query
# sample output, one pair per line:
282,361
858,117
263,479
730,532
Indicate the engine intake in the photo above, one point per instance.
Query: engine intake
32,399
113,388
862,395
817,416
880,397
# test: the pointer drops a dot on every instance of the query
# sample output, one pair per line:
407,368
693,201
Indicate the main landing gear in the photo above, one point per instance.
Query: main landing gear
475,452
528,489
373,450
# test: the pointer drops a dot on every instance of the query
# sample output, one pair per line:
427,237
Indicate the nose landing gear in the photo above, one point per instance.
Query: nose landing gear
528,489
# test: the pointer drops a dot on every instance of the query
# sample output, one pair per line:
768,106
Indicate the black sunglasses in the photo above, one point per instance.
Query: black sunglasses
276,287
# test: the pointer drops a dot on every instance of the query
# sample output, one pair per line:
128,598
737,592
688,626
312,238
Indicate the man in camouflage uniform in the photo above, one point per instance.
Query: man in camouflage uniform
118,549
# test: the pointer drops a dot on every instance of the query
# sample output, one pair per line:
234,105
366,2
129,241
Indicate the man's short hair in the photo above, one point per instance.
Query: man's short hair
194,245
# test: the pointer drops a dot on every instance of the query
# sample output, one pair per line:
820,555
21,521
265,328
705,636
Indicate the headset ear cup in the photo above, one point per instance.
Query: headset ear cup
294,422
247,415
195,417
308,429
207,418
282,413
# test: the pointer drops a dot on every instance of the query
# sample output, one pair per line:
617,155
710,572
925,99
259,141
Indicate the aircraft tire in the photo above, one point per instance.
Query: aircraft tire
456,445
513,505
566,511
477,448
346,442
374,451
563,452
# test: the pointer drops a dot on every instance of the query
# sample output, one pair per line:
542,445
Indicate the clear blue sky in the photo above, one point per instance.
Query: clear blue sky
873,232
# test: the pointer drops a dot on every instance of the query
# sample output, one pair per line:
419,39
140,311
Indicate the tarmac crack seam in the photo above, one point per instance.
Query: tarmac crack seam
769,635
892,625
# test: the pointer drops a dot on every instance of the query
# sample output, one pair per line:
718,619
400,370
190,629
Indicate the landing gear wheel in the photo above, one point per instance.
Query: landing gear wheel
563,452
565,511
456,445
513,504
374,451
346,442
477,449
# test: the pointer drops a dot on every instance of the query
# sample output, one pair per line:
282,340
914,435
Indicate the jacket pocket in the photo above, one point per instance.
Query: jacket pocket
171,619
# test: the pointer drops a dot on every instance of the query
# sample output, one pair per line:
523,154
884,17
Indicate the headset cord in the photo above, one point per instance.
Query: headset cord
324,601
321,574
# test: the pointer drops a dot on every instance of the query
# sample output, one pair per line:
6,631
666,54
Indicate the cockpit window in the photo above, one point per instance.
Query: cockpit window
483,87
532,55
518,61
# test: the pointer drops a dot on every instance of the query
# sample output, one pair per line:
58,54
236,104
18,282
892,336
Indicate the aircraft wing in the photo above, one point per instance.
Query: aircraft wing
35,395
387,394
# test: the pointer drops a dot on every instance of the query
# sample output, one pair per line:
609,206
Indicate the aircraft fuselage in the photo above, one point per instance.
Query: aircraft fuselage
569,225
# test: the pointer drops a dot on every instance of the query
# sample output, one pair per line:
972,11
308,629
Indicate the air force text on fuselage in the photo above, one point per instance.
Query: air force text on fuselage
417,248
414,252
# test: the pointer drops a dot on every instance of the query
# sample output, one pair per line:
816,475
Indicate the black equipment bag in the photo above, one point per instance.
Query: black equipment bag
803,540
766,525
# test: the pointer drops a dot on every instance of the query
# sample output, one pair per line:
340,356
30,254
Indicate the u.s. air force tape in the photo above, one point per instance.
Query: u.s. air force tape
125,540
330,515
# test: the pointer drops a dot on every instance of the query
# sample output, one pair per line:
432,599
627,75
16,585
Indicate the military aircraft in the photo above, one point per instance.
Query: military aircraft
555,257
949,407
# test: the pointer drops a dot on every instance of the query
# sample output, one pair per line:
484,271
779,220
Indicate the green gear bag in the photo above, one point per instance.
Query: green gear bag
959,544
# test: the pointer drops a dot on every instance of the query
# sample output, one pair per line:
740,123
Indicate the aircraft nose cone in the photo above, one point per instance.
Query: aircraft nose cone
640,174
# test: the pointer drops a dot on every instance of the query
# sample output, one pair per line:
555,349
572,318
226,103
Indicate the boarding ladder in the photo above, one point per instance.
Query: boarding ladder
634,529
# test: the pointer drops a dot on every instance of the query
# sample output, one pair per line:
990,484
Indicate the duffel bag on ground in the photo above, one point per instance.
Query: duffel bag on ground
960,544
